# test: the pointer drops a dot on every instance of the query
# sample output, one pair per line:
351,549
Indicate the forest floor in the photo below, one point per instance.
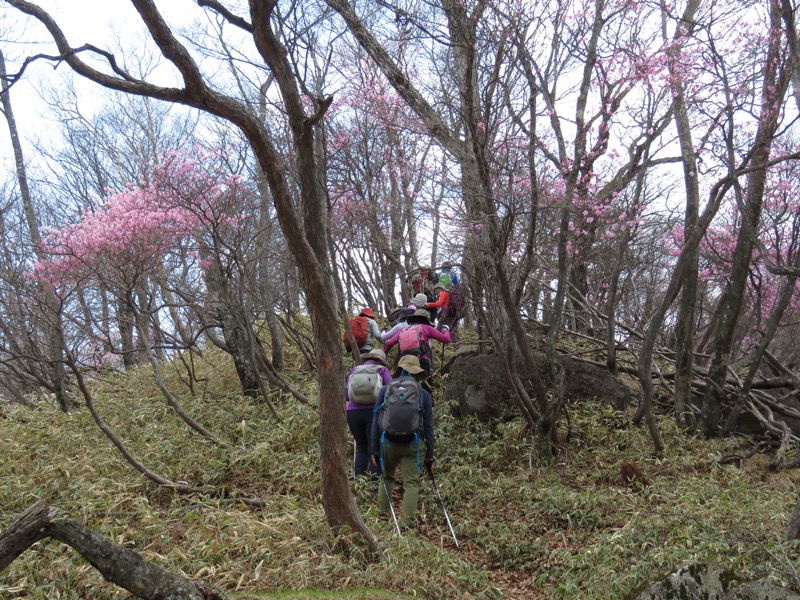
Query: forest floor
527,529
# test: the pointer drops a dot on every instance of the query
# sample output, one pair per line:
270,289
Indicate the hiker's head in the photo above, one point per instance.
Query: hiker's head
438,288
367,312
377,356
420,300
420,316
409,364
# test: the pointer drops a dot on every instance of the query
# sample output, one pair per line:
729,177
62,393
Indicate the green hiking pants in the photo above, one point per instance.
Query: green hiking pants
405,455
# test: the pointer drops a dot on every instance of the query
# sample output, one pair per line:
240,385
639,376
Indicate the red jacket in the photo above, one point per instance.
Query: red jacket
442,302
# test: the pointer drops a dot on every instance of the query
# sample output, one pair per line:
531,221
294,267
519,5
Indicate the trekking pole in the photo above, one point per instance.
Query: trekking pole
444,510
391,506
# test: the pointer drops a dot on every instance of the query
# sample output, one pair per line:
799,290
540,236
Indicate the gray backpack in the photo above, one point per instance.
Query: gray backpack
400,415
364,384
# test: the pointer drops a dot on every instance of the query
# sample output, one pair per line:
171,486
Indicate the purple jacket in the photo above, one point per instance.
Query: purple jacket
386,376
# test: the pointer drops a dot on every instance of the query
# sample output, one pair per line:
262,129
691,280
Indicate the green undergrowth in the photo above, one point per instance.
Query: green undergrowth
527,529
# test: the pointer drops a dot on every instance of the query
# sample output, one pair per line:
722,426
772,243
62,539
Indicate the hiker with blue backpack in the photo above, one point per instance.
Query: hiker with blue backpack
361,388
447,276
403,417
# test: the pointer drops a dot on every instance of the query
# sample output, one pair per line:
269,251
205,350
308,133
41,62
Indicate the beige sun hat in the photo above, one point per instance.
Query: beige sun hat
409,363
420,315
378,355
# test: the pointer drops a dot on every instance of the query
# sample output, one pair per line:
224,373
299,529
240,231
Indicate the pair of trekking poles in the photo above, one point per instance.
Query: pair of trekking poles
438,495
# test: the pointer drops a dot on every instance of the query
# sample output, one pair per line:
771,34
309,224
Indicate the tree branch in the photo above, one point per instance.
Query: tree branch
226,14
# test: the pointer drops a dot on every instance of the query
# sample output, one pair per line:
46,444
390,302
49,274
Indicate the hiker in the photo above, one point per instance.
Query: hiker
365,331
396,436
397,327
415,339
417,280
453,313
361,389
418,301
422,278
447,277
442,300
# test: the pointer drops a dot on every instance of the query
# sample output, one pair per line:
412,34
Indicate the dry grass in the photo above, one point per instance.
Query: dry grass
528,530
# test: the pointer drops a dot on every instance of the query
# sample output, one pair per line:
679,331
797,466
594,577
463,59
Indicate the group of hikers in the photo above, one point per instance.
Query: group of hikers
389,414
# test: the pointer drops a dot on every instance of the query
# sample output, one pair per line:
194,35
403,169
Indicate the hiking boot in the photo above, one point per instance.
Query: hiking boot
406,523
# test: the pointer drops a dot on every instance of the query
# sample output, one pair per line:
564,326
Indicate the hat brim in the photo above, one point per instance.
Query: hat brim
375,357
418,319
413,369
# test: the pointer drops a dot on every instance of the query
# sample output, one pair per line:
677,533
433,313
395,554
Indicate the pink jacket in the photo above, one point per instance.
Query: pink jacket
427,332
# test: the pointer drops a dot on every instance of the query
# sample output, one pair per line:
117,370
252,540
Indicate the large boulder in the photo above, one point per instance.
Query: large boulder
698,581
479,386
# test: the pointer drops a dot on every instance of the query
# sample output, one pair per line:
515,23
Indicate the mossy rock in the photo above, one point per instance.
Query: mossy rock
699,581
479,386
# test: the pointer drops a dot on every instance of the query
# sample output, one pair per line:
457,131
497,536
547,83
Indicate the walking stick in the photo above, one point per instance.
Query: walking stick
391,506
444,510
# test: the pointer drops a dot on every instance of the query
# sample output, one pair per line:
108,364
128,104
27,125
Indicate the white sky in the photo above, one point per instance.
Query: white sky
99,22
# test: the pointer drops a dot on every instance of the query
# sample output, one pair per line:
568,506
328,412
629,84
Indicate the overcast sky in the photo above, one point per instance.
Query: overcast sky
103,23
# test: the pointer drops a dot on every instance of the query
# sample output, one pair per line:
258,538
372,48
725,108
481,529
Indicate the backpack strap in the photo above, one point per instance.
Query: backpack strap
420,390
416,443
380,448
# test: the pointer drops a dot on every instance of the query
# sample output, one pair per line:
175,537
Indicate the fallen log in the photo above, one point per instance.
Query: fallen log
121,566
23,532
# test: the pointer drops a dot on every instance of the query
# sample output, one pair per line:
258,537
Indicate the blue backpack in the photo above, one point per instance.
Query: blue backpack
400,413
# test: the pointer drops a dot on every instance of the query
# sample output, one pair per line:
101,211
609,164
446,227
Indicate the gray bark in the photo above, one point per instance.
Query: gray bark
774,87
121,566
684,344
52,313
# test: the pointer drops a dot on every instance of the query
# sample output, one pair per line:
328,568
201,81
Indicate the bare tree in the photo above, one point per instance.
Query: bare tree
52,309
774,87
302,211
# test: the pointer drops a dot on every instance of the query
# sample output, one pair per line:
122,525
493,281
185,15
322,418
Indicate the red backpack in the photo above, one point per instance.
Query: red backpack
360,327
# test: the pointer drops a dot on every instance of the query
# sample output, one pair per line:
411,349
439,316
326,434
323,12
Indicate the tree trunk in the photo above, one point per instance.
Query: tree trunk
264,277
24,531
776,80
125,324
685,326
52,314
234,323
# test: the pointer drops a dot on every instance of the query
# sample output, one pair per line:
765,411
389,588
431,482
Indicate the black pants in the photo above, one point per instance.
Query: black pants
360,423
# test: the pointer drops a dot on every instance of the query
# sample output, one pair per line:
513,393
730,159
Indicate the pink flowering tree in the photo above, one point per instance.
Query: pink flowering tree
147,236
117,249
299,199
